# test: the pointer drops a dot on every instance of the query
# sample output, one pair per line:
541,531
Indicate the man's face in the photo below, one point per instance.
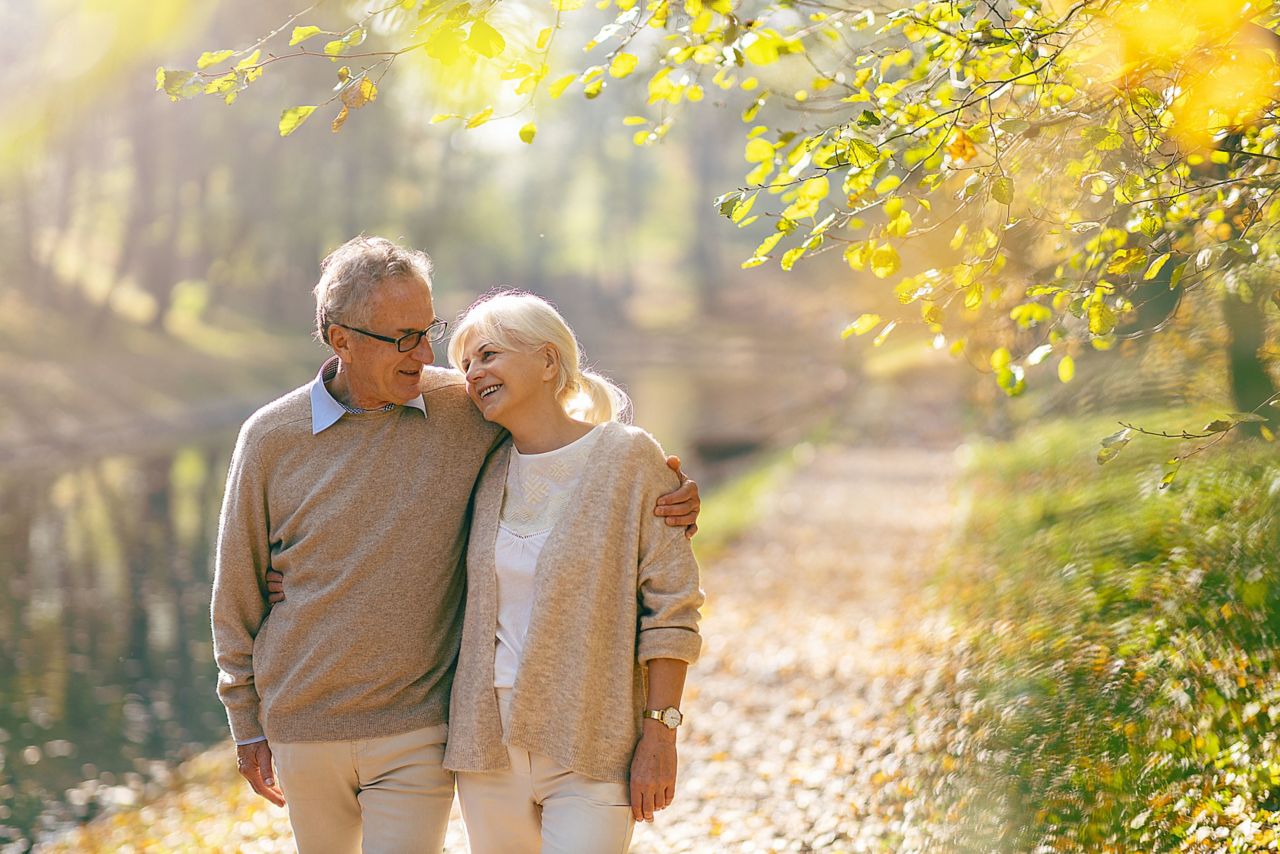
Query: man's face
377,373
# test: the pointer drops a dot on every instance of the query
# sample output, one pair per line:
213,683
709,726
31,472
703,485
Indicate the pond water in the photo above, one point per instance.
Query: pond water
106,666
106,670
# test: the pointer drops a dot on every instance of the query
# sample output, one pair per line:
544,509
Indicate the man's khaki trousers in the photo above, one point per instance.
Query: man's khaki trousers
386,795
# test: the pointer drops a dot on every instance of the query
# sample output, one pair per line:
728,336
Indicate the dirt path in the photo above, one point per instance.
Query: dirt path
792,708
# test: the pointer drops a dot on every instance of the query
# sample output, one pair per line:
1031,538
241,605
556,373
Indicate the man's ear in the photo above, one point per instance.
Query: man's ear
340,341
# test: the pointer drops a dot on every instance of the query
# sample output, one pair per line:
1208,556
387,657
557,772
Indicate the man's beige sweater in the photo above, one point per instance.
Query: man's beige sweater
367,520
614,587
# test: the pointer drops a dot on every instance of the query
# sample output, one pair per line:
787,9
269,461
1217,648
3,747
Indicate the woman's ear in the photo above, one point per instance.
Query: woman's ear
552,368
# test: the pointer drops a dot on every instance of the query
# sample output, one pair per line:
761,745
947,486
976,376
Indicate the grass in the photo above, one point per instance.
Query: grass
1116,676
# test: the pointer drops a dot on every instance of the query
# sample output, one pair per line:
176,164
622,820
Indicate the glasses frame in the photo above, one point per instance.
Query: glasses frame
433,333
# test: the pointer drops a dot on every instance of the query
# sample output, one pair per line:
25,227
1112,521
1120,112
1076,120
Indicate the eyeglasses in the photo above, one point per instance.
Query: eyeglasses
407,342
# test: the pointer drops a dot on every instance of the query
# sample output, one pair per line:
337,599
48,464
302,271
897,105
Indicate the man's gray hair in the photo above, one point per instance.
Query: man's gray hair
350,275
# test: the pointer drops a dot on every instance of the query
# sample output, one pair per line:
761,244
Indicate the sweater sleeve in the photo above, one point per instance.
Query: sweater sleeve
669,591
239,602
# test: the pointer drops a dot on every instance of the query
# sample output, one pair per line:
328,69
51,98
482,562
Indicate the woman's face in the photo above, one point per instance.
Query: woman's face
506,383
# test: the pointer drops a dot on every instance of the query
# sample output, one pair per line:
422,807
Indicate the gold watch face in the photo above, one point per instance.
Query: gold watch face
671,717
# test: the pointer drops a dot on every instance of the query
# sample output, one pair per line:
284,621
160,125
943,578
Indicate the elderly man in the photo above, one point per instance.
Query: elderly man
356,487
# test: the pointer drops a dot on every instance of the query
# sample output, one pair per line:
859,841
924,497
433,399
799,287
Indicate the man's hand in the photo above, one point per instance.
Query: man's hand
680,507
275,587
254,764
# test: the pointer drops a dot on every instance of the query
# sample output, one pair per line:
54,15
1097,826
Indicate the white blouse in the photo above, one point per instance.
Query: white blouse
537,492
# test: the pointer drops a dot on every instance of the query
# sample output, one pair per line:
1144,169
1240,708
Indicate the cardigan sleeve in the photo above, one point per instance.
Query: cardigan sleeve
239,605
668,587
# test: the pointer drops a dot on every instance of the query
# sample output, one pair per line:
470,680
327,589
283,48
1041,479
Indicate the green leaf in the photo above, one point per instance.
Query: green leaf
1002,190
1113,445
292,118
528,132
209,58
485,40
178,84
301,34
1220,425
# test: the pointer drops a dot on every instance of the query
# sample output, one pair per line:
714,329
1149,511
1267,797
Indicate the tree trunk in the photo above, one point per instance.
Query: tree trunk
1251,384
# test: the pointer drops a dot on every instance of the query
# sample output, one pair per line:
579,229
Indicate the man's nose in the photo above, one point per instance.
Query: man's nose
423,352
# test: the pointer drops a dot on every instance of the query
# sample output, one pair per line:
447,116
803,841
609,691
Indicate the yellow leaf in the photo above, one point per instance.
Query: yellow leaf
567,5
885,262
759,151
768,243
301,34
340,119
1067,369
479,118
623,64
557,88
888,184
632,121
864,324
213,58
292,118
528,132
249,61
485,40
544,38
1154,269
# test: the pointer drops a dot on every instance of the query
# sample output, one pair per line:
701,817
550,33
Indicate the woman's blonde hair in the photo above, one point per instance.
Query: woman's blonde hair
516,320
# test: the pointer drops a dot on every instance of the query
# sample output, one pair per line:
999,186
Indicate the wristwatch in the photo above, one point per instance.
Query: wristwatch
669,717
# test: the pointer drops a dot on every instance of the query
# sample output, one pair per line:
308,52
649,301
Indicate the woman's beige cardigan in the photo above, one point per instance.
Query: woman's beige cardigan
614,586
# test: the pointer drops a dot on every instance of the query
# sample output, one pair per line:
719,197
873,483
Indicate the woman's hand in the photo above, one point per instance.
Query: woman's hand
653,771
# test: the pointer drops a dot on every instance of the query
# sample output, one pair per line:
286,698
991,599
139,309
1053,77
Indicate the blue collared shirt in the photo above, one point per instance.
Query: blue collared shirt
325,410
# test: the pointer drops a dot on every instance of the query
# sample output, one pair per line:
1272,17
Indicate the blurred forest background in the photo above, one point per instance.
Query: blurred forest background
1112,677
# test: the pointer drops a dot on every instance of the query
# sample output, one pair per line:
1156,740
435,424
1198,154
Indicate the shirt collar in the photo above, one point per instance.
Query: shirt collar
325,410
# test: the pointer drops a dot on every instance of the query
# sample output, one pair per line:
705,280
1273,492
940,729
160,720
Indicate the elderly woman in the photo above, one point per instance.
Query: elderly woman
579,625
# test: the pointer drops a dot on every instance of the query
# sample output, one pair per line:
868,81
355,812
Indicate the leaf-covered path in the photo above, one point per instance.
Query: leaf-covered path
793,723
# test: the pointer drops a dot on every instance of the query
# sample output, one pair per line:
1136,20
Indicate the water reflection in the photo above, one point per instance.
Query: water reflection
106,672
